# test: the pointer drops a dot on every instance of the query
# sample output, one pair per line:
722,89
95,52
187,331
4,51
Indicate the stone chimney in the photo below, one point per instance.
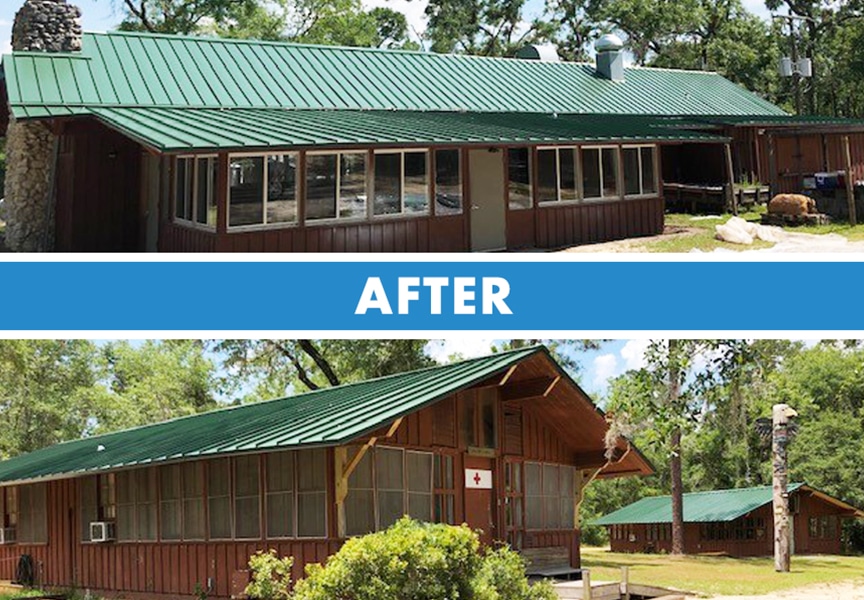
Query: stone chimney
40,26
610,58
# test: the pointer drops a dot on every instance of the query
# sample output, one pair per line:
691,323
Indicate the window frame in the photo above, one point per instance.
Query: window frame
430,177
442,493
543,496
28,511
638,148
577,171
368,176
264,225
194,191
433,182
531,163
618,174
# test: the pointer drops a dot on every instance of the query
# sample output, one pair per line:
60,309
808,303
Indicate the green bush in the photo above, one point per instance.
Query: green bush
419,561
271,576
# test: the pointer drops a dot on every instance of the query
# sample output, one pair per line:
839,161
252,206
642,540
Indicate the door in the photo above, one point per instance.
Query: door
150,189
487,194
479,496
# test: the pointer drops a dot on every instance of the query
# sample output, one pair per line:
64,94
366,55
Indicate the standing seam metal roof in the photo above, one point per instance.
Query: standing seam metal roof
324,417
144,70
699,507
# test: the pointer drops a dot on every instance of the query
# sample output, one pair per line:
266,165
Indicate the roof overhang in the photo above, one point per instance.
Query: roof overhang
850,510
192,130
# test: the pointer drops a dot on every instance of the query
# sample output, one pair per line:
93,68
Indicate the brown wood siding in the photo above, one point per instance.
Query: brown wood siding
592,222
405,234
97,184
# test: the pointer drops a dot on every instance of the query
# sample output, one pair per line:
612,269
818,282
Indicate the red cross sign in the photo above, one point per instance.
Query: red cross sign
478,479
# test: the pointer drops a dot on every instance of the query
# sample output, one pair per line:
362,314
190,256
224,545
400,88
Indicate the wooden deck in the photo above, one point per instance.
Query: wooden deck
586,589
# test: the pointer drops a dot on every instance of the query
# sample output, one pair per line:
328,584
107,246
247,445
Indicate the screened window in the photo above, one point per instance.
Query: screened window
98,495
195,189
390,479
247,512
312,493
194,525
600,173
360,501
639,173
220,515
519,178
823,527
136,505
445,490
448,182
401,183
550,493
9,514
32,515
335,185
418,467
181,505
280,494
479,418
557,174
259,195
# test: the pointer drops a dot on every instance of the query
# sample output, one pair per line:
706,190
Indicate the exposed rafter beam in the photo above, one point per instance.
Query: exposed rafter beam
528,388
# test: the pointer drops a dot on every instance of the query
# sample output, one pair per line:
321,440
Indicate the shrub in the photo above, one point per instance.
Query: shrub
419,561
271,576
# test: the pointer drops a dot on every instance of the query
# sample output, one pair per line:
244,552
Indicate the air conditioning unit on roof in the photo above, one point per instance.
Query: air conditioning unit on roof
102,531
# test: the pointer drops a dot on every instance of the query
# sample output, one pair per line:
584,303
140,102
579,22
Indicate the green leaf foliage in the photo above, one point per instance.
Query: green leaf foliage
271,576
419,561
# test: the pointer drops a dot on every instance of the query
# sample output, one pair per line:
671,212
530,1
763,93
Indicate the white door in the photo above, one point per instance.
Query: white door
487,193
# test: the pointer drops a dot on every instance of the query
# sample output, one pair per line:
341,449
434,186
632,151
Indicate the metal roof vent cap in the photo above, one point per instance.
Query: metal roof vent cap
544,52
610,58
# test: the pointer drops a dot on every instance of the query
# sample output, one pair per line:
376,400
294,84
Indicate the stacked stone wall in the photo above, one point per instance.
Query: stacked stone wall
39,26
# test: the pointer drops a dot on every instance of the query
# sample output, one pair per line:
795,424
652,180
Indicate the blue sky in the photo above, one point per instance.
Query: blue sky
101,15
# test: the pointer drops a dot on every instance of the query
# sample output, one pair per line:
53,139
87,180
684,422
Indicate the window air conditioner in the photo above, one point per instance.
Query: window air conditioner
7,535
102,531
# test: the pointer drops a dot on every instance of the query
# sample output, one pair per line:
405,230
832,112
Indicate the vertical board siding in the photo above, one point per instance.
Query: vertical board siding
594,222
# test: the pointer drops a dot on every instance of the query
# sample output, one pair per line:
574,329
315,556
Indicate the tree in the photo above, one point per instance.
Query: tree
181,17
483,27
45,392
275,367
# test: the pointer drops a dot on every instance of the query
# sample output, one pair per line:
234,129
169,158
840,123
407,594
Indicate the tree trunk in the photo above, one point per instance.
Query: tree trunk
675,449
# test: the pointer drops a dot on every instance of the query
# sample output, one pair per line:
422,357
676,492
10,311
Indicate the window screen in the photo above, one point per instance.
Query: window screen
311,493
171,502
127,524
360,502
33,517
390,483
247,517
145,494
280,494
418,467
533,496
193,501
445,492
219,498
88,495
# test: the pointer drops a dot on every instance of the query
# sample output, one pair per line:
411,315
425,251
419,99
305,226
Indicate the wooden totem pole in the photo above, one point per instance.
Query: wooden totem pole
781,414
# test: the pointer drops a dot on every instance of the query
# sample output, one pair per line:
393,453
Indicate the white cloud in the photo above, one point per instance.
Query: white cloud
605,367
414,11
6,48
441,350
633,353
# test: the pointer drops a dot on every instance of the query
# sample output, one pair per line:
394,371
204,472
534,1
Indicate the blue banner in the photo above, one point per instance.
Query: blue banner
479,295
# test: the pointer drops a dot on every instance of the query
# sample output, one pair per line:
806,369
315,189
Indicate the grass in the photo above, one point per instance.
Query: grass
718,575
702,236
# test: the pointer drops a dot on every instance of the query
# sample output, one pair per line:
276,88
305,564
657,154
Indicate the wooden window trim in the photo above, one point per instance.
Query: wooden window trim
264,225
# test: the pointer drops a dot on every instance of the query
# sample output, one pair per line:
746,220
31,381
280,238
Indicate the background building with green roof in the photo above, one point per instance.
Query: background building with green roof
737,522
137,141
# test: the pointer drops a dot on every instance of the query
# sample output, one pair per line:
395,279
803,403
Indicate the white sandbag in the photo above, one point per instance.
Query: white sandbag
733,234
745,226
768,233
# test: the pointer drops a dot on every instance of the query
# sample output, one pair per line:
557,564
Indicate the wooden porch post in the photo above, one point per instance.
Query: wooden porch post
850,189
732,198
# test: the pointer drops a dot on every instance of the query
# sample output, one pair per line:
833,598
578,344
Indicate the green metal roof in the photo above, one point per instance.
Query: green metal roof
699,507
124,69
177,130
324,417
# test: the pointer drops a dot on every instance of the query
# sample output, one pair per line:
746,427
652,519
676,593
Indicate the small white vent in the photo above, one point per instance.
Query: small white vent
102,531
7,535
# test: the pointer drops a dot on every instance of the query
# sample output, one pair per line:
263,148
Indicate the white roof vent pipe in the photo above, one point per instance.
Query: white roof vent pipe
610,57
544,52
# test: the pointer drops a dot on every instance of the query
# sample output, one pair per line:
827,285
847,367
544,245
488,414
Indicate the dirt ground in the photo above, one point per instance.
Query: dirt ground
847,590
791,242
